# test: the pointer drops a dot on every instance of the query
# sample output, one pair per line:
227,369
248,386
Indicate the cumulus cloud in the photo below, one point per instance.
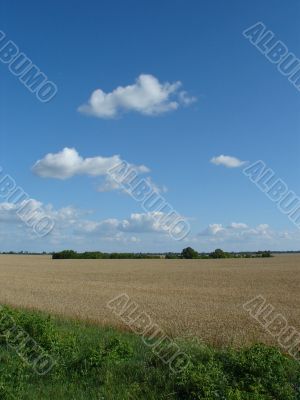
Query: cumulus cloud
238,236
144,222
150,222
68,163
237,225
73,227
146,96
12,211
79,229
110,184
227,161
237,231
212,229
71,218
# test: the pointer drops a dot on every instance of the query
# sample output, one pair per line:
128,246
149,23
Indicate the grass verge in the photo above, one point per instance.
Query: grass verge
99,363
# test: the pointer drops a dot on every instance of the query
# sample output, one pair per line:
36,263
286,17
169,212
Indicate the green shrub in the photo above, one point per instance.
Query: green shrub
257,373
39,328
96,363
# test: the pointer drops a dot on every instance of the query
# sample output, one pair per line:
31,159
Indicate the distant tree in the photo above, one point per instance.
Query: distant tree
203,256
171,255
70,254
266,253
218,253
188,252
65,254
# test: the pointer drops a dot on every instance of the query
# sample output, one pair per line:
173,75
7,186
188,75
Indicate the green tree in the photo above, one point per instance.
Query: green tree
266,253
218,253
188,252
65,254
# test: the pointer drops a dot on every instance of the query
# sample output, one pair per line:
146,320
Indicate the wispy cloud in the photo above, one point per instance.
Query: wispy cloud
227,161
146,96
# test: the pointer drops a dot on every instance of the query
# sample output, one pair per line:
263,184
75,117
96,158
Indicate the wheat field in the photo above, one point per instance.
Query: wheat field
186,298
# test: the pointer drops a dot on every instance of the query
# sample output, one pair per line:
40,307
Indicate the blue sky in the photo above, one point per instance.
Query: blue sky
236,103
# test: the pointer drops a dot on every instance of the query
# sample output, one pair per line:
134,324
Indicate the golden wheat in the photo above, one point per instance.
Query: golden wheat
186,298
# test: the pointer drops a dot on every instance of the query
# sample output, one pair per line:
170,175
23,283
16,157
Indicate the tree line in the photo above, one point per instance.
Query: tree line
71,254
187,253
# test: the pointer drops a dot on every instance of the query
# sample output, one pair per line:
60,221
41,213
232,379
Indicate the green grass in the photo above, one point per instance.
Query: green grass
100,363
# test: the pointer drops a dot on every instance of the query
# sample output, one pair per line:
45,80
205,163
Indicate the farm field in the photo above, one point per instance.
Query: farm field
186,298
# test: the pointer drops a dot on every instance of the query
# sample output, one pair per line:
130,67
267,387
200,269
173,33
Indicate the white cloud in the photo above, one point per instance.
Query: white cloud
212,229
136,223
227,161
78,229
144,222
68,163
70,217
8,210
110,184
237,231
74,229
238,236
146,96
237,225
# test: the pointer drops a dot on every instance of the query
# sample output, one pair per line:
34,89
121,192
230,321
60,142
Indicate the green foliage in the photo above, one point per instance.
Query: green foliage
171,256
71,254
65,254
101,363
189,252
218,253
255,373
266,253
